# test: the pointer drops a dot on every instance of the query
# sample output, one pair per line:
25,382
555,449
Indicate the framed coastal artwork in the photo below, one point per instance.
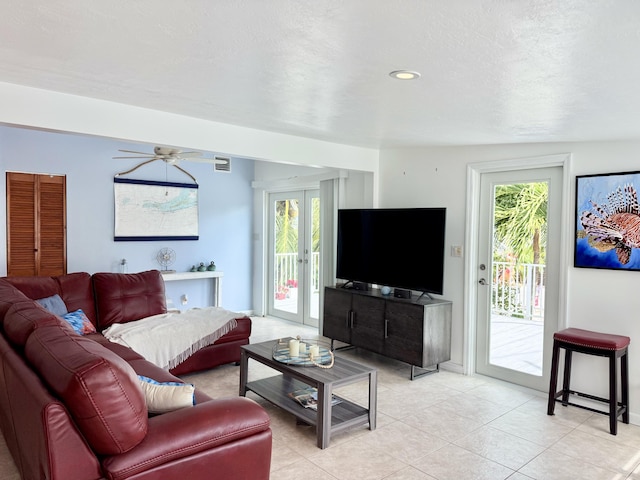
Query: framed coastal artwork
608,221
149,210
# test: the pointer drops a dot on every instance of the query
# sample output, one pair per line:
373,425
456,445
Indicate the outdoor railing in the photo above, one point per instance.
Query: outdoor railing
286,272
518,290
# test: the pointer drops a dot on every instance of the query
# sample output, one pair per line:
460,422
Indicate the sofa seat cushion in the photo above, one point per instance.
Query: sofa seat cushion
124,297
99,388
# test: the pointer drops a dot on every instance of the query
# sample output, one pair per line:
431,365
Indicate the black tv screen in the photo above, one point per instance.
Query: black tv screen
394,247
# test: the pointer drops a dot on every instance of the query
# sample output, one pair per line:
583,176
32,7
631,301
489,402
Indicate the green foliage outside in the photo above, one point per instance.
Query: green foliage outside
520,222
286,234
286,237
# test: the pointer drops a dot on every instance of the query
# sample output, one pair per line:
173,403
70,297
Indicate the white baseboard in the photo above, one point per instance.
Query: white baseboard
452,367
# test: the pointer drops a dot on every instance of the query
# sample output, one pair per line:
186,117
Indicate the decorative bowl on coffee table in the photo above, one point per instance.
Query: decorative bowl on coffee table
281,353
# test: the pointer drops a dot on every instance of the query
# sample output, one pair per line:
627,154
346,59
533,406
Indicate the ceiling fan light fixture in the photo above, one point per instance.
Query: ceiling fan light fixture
404,75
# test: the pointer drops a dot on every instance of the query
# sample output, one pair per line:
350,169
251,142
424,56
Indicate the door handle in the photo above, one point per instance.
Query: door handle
482,281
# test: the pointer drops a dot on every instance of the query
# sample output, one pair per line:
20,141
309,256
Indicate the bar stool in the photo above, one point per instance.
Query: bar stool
592,343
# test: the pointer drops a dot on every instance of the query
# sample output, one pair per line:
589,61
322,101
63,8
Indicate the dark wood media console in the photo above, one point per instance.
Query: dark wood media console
415,331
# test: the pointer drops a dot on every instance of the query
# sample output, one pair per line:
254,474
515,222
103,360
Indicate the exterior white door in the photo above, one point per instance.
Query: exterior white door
294,259
518,274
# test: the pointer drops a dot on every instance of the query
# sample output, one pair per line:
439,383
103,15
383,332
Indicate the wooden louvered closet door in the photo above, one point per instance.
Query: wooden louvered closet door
36,224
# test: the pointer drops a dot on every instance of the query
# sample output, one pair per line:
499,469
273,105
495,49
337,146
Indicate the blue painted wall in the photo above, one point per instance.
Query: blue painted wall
225,211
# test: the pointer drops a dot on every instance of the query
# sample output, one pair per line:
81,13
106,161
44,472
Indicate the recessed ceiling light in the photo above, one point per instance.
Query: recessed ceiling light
404,75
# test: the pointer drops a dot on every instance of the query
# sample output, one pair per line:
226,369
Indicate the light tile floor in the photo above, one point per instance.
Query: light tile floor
439,427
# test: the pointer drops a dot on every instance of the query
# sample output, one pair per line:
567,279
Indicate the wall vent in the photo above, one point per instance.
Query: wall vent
222,164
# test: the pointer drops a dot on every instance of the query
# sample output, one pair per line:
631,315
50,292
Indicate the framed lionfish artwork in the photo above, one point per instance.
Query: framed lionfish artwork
608,221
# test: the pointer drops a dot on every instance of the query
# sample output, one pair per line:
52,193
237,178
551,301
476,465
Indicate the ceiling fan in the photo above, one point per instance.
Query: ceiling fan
167,154
173,156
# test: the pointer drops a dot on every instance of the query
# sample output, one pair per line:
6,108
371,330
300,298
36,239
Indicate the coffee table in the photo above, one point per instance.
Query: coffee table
328,419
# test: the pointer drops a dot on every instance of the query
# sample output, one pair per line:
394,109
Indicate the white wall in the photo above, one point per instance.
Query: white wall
596,299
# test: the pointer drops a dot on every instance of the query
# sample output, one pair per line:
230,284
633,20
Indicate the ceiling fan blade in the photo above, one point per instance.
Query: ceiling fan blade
188,154
146,156
134,151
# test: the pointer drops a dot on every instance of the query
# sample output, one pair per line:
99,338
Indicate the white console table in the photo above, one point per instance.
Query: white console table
215,276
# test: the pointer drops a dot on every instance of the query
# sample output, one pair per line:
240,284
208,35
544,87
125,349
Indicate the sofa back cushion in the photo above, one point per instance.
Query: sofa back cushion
23,318
77,292
75,289
124,297
99,388
8,296
35,287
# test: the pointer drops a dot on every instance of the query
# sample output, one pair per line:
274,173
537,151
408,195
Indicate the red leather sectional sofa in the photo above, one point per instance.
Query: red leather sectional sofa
71,406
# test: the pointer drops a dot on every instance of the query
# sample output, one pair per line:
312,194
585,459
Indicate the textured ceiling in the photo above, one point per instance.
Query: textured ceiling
493,71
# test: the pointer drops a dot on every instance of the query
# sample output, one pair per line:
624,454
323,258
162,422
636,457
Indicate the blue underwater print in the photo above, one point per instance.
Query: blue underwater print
608,221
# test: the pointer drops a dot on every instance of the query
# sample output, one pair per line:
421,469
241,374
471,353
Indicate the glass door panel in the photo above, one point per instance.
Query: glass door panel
294,256
517,275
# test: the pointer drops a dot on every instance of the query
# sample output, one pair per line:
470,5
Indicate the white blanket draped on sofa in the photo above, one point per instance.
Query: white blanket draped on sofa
168,339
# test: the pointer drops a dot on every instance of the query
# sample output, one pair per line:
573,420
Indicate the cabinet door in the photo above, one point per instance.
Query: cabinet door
368,322
405,332
337,310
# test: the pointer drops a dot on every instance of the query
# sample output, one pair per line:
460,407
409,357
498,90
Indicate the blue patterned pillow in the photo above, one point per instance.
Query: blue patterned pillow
79,322
165,397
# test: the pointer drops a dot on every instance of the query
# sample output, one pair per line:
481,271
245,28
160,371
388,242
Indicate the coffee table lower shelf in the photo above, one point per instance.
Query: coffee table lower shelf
276,390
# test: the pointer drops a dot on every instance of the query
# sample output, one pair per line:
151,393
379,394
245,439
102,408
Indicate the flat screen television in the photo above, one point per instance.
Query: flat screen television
396,247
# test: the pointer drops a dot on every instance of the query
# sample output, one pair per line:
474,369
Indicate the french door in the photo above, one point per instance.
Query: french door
294,256
518,274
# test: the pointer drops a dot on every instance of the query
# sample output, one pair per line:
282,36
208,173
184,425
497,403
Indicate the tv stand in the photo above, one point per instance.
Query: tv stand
427,295
415,330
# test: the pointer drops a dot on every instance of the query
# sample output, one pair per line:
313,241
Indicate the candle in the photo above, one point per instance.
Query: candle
294,348
303,348
314,351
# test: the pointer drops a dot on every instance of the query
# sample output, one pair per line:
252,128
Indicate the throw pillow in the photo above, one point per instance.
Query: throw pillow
54,304
165,397
79,322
